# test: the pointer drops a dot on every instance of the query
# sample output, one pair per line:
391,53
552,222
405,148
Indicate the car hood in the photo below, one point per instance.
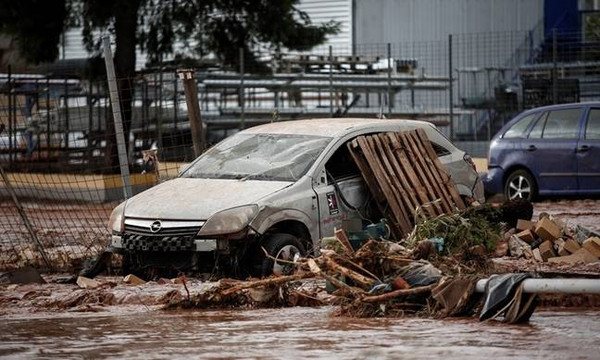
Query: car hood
198,199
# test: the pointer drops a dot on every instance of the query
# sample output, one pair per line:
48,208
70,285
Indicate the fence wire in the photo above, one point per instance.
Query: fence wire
58,149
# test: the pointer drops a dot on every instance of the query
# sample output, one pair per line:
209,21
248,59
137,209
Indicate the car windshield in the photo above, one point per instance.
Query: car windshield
275,157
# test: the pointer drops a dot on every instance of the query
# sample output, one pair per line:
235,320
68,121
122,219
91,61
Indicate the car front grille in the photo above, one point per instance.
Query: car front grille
140,242
171,235
178,231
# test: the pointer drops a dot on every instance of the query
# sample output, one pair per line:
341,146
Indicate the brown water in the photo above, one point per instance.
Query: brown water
296,333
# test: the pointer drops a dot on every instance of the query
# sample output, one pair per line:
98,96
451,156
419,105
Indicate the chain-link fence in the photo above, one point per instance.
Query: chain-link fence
58,149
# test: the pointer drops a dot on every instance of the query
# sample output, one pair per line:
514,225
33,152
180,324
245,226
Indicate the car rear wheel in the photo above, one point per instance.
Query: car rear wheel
286,249
520,185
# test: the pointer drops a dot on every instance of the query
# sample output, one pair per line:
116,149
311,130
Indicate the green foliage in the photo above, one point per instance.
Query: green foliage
36,25
461,230
218,27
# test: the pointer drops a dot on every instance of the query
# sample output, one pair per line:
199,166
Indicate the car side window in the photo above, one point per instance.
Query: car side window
341,165
592,129
538,128
562,124
440,150
518,129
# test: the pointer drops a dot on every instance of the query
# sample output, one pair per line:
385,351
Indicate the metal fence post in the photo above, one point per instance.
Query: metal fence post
450,88
11,105
554,69
191,98
175,106
242,103
330,81
25,219
66,97
159,117
389,82
117,116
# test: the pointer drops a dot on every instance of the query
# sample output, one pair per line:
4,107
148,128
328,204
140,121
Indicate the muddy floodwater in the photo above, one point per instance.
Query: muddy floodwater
295,333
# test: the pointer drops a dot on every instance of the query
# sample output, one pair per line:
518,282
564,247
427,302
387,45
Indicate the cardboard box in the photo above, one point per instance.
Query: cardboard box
547,230
525,225
546,250
571,245
580,256
593,246
537,256
526,236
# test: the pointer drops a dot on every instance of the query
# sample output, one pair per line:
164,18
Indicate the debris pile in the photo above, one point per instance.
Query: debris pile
551,240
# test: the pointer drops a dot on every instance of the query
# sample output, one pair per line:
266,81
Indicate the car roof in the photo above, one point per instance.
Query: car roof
560,106
332,127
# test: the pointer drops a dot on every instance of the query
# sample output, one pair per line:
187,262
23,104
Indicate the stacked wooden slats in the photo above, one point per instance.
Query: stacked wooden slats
403,173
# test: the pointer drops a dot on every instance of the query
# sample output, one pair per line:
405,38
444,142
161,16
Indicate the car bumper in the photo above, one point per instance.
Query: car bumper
493,181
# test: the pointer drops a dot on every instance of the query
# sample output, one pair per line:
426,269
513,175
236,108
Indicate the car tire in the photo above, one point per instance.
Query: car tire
520,184
280,246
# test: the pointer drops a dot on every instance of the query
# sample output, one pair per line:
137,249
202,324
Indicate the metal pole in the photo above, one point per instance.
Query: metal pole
389,82
191,98
48,140
554,69
556,286
10,111
450,88
330,81
159,118
66,97
24,217
242,103
175,107
117,116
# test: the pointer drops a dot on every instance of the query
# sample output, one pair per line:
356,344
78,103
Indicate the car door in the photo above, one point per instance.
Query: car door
588,154
549,150
340,190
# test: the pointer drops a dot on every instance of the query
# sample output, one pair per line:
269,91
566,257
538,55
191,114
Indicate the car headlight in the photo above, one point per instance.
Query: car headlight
229,221
115,222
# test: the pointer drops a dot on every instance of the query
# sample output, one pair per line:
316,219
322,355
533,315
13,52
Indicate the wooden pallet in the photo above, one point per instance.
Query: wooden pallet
403,173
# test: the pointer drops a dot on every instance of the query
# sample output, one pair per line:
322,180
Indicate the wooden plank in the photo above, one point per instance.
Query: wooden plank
412,200
392,195
398,149
449,183
373,186
365,169
400,192
430,156
430,169
425,173
380,178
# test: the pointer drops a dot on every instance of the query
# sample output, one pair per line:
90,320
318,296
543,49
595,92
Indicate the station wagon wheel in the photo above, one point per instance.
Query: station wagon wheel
520,185
281,246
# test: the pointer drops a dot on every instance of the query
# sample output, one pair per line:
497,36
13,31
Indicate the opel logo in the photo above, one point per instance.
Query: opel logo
155,226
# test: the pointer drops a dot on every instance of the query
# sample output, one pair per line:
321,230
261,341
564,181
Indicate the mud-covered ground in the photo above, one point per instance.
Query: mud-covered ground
123,320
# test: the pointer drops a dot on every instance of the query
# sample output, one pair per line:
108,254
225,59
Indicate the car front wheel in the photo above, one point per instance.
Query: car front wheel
285,248
520,185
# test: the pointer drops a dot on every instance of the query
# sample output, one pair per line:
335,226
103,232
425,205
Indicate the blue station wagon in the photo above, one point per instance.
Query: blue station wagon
547,151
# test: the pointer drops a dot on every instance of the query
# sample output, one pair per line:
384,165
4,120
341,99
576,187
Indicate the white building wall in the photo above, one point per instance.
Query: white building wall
385,21
323,11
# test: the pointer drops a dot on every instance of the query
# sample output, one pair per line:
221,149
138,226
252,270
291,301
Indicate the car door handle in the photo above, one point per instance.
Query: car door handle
583,148
531,148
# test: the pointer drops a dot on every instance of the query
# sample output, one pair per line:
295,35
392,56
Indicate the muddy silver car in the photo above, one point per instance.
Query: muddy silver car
279,187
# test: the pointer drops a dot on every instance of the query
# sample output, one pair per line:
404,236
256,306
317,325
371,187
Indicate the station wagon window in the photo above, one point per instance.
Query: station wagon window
538,128
518,129
592,130
562,124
